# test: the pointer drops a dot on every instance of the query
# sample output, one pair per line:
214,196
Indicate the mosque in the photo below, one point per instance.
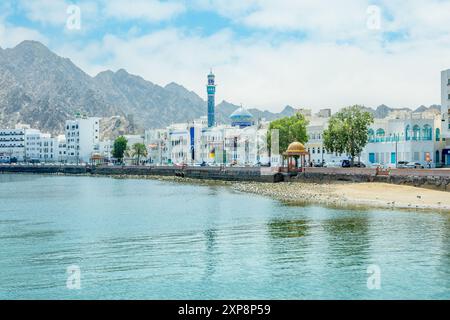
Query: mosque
203,141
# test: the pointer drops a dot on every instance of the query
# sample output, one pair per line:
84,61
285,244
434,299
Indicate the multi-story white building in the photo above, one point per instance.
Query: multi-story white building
315,145
82,138
105,149
40,146
33,145
411,137
60,148
157,142
49,145
445,112
12,144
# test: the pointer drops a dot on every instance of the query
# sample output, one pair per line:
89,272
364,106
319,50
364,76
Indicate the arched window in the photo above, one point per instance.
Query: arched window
416,132
427,133
438,134
380,135
408,133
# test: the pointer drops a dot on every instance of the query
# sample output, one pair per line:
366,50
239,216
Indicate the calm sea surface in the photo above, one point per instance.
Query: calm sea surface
160,240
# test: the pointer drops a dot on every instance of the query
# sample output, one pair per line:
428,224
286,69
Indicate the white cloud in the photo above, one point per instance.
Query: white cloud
270,69
254,72
150,10
46,11
10,35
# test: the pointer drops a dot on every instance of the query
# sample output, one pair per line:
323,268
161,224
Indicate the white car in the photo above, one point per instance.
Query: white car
375,165
414,165
333,165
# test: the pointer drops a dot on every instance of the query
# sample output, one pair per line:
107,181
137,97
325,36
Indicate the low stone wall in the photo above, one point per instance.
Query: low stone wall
427,178
212,173
45,169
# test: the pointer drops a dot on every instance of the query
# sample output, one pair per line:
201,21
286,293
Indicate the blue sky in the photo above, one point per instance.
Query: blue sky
266,53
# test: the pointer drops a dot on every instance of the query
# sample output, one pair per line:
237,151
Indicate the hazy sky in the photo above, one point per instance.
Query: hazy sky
265,53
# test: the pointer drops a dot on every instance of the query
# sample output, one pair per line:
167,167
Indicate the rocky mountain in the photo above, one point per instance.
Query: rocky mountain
40,88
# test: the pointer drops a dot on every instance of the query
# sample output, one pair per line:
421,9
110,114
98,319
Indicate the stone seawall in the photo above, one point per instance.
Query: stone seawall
211,173
428,178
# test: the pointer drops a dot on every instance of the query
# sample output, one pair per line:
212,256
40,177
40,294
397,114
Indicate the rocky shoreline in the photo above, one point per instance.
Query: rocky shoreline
336,195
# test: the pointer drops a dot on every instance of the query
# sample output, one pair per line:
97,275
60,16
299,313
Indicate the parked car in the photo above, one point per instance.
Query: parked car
356,164
319,164
402,164
414,165
346,164
332,165
359,164
375,165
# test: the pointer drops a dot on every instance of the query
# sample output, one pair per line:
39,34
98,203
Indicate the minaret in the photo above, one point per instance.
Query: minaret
211,89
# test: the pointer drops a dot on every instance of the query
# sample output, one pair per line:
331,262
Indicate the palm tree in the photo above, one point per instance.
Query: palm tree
139,150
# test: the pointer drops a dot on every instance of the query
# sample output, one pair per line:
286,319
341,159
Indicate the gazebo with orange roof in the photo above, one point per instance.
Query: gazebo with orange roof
295,149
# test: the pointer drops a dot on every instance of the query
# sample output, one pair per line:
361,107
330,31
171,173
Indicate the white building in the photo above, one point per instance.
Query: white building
32,145
194,143
315,145
157,142
105,149
445,111
49,146
12,144
82,138
411,137
61,148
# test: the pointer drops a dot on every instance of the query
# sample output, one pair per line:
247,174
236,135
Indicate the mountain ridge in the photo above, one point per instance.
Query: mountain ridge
40,88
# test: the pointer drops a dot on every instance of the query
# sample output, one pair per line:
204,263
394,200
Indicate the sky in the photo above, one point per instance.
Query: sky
265,53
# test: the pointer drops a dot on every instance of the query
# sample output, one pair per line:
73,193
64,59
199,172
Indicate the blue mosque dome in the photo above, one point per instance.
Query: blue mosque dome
241,118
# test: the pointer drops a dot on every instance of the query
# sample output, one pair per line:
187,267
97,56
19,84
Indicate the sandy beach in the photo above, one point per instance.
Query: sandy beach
380,195
337,194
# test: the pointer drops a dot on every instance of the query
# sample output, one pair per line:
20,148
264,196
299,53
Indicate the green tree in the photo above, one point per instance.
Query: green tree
139,150
120,145
290,129
347,131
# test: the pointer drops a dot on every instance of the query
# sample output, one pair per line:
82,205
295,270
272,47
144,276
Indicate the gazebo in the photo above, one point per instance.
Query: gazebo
297,151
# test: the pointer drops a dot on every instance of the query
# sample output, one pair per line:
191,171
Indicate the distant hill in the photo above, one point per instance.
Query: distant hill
40,88
383,110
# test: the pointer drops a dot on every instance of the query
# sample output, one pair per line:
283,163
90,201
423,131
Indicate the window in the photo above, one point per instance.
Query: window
427,133
416,132
408,132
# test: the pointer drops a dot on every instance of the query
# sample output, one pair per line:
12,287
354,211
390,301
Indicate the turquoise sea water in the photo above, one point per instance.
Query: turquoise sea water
144,239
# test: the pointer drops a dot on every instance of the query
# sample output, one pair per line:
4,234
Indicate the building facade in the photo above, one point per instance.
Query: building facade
12,144
195,142
445,112
82,138
412,137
